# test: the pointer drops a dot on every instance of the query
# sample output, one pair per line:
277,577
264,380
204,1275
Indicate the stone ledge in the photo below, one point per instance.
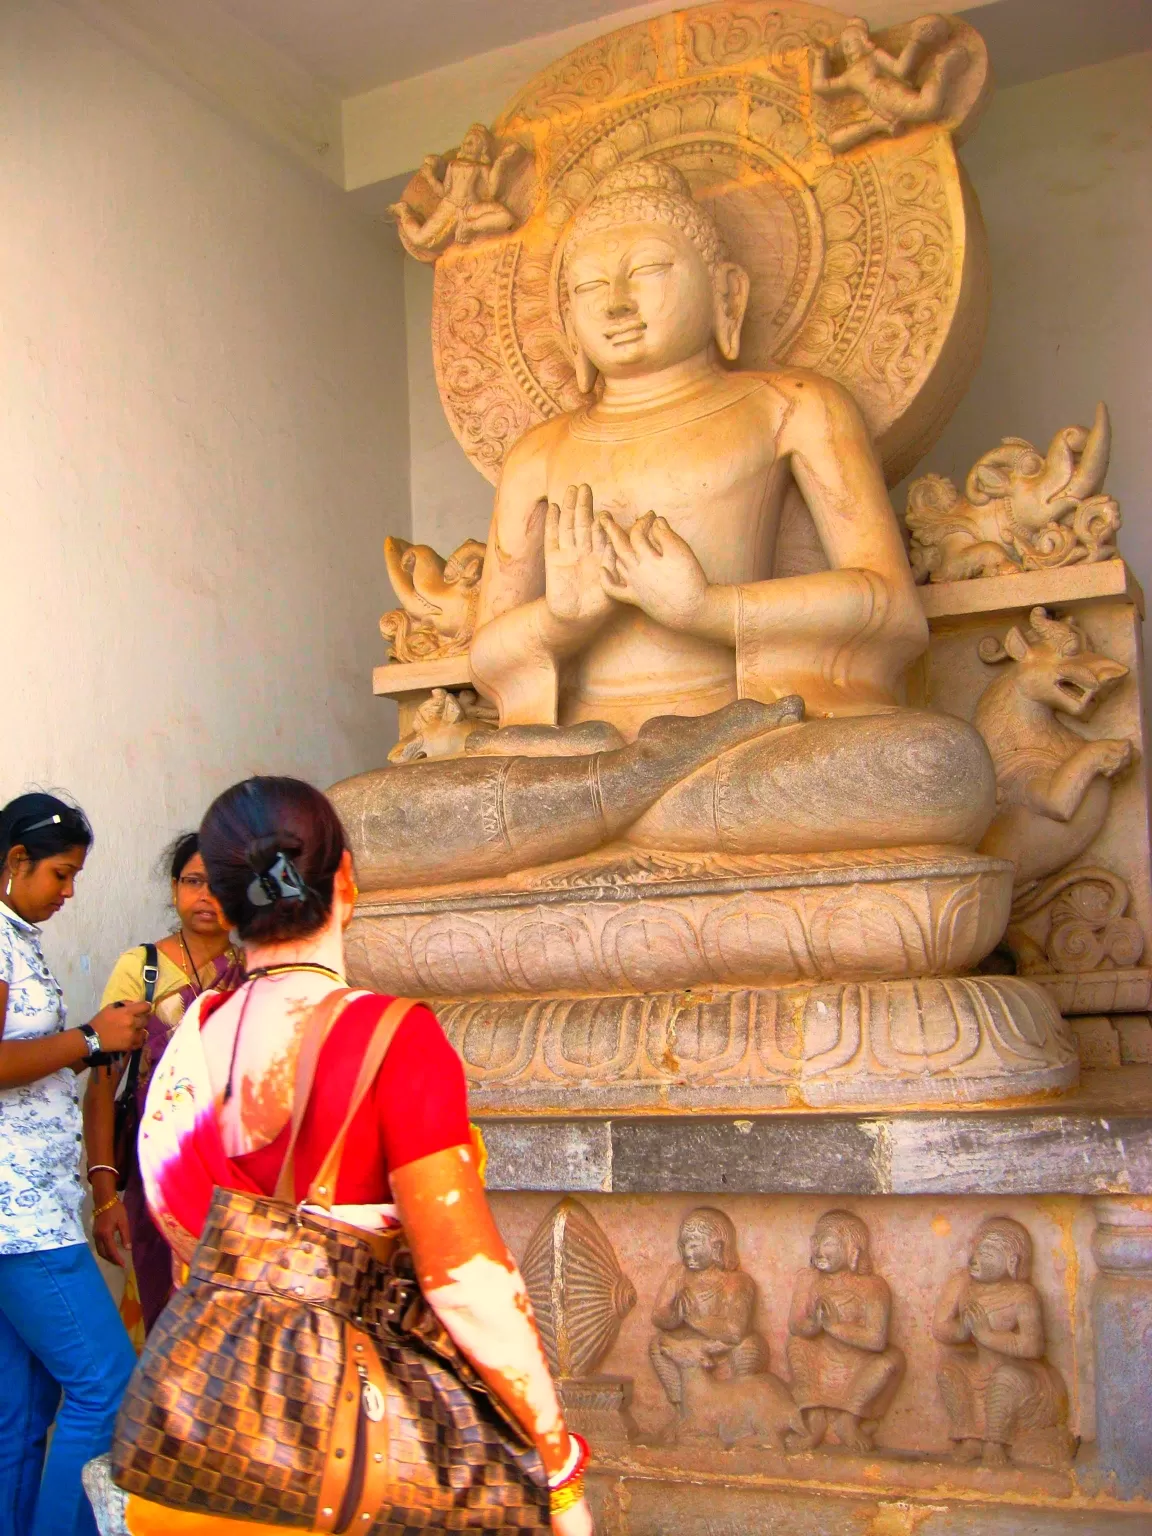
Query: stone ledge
1098,1141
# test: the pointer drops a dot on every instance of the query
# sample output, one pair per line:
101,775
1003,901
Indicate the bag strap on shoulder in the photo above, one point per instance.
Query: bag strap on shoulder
316,1032
323,1186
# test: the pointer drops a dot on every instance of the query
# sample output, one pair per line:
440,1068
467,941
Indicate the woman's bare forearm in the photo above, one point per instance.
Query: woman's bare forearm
27,1061
473,1285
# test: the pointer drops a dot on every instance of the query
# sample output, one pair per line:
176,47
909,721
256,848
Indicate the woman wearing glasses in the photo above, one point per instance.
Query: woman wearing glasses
61,1343
170,974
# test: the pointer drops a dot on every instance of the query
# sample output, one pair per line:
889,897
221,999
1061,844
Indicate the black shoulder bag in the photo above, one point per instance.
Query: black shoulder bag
126,1124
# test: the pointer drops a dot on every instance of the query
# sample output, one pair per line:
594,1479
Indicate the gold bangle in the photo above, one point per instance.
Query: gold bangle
560,1499
107,1206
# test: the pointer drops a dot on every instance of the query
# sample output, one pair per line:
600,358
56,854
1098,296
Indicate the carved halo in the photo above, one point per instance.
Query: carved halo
866,266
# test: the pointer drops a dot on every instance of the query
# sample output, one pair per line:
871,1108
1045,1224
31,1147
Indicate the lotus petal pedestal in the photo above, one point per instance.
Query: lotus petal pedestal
641,983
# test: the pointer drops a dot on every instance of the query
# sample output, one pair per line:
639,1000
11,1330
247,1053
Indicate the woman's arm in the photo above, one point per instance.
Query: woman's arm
27,1061
110,1230
472,1283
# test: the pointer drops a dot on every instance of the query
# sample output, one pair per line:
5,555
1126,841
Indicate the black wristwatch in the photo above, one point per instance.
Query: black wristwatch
91,1040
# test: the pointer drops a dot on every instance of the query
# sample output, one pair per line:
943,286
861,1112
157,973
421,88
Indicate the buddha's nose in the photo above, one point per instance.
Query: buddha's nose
620,299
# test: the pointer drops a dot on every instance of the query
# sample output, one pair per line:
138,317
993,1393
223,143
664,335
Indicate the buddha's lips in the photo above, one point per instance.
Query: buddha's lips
631,332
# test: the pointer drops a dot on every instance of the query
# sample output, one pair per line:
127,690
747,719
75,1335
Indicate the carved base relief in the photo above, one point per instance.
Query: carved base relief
916,1248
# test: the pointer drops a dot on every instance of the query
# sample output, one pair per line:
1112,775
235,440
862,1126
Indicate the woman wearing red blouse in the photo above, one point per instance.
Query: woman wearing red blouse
220,1105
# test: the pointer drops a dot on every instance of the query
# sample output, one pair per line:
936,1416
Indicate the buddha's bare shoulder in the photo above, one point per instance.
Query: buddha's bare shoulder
798,402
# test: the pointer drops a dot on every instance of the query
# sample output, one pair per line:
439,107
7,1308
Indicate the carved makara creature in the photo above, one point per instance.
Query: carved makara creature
442,725
579,1293
912,88
1053,786
1003,1398
707,1353
1022,510
438,598
468,193
603,627
844,1370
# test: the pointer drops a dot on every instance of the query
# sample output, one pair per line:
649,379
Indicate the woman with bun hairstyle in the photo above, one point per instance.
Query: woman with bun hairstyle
220,1112
60,1335
197,956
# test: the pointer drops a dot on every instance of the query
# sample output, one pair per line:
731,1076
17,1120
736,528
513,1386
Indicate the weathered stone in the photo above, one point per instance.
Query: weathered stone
1122,1328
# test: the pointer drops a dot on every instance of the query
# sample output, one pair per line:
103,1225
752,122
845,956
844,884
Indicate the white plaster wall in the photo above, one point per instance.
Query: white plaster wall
451,499
1063,169
203,440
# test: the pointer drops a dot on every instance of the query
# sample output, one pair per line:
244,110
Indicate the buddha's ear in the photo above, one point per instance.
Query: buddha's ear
586,371
730,286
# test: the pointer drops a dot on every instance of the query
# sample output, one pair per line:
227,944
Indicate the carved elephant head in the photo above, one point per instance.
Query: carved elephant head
1042,488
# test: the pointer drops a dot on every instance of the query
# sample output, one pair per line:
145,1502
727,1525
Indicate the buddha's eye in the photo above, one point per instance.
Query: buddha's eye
649,268
592,284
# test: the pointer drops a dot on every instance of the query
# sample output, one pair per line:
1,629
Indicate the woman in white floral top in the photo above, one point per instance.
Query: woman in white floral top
62,1344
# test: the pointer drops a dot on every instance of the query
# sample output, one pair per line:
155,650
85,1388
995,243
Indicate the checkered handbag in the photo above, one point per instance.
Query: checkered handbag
299,1378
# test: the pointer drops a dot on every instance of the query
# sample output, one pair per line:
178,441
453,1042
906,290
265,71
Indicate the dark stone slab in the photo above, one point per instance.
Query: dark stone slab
1076,1149
764,1155
1037,1154
570,1156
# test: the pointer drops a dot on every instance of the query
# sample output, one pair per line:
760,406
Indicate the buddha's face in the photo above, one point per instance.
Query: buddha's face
989,1261
829,1251
641,299
698,1247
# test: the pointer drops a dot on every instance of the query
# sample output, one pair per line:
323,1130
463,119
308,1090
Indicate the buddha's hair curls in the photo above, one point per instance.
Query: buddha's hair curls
645,191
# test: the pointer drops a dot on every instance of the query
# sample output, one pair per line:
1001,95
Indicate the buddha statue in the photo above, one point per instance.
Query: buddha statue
1003,1397
844,1370
657,687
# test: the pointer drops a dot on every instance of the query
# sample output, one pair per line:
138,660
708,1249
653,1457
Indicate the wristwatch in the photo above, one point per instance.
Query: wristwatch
91,1039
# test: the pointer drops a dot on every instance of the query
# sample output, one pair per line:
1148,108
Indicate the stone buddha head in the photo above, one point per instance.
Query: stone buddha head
647,278
708,1240
840,1242
1002,1250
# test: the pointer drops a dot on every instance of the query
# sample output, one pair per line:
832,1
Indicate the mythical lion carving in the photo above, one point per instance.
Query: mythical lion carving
1052,785
1021,510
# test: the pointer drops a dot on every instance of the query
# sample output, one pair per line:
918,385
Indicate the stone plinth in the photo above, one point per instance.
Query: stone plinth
658,982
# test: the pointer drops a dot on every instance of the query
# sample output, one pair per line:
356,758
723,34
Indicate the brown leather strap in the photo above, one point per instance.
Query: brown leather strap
316,1032
339,1462
322,1188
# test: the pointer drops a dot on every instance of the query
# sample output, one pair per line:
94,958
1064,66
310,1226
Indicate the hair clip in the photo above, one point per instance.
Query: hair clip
281,882
49,821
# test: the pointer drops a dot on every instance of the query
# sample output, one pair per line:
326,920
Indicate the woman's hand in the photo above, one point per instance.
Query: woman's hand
112,1235
121,1026
576,1521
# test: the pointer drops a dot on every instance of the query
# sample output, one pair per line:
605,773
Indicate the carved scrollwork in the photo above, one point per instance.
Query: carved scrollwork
1074,923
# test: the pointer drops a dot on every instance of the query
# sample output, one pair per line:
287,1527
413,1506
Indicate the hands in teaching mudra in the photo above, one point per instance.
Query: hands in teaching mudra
591,561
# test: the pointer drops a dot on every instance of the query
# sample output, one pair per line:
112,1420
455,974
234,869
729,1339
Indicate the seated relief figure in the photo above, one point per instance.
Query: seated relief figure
844,1371
1002,1396
705,1317
656,685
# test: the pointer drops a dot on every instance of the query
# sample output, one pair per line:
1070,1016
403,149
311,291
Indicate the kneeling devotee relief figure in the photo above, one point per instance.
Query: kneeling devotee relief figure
710,1359
655,684
1004,1400
844,1370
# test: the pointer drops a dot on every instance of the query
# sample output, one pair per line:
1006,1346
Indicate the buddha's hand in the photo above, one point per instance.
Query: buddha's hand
652,568
575,544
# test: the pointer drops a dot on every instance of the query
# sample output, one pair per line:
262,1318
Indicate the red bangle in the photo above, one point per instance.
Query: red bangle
578,1470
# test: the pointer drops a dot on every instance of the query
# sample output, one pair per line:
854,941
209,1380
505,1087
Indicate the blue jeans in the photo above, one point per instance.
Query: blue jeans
60,1334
